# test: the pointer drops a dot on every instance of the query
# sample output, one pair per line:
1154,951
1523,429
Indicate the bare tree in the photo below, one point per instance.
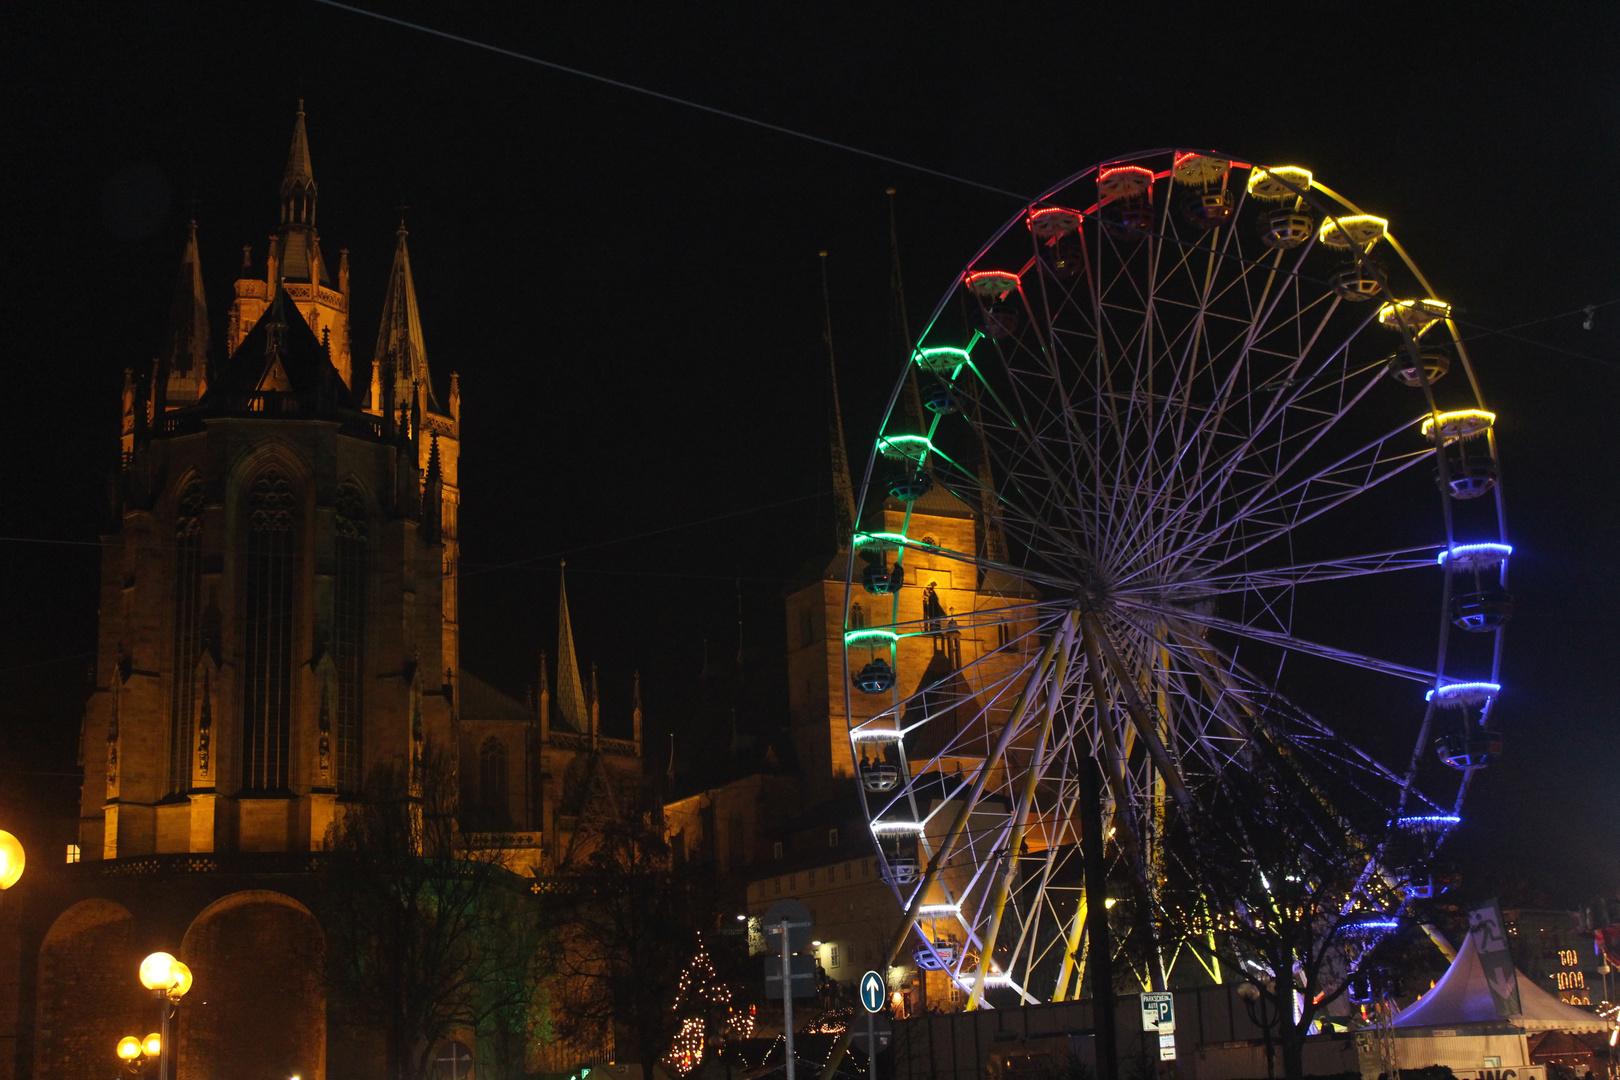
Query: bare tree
428,938
631,926
1279,870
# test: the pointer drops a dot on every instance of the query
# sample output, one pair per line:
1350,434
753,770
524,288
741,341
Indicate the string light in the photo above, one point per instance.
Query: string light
701,994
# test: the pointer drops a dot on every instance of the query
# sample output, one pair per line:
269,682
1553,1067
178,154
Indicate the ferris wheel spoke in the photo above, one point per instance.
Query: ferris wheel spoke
1292,643
1293,576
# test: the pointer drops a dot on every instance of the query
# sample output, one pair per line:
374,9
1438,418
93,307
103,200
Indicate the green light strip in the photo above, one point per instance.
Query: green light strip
852,637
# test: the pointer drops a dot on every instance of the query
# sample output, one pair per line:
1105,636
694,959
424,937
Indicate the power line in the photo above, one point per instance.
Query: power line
661,96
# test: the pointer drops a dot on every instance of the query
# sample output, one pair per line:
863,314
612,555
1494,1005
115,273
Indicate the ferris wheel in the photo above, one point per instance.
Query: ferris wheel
1191,455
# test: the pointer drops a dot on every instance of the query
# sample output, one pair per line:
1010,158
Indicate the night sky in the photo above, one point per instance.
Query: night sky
630,291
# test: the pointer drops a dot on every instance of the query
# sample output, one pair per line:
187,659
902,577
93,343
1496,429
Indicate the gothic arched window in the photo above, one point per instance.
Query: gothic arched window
188,509
267,635
349,631
494,810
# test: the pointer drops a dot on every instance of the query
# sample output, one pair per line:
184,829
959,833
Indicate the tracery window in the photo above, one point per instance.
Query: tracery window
268,634
492,787
349,632
187,631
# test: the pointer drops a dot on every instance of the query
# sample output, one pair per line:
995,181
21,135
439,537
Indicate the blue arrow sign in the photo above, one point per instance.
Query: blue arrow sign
874,993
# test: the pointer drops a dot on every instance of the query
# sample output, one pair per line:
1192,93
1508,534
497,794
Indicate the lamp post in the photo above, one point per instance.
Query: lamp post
1263,1015
169,979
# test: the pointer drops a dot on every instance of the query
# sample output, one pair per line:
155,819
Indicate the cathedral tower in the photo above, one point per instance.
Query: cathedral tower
278,578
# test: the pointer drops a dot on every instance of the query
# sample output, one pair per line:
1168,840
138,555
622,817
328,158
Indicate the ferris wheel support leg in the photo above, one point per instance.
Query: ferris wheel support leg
1072,960
1163,763
1015,835
1129,841
958,824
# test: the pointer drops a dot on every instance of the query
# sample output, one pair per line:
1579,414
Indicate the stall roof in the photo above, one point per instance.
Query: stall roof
1463,997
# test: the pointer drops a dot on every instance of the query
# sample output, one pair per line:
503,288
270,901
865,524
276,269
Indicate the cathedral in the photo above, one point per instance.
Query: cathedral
278,619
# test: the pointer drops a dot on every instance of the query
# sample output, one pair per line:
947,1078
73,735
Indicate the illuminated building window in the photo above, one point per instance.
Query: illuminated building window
807,626
832,956
832,837
857,617
267,633
776,850
188,511
72,853
348,631
849,871
492,788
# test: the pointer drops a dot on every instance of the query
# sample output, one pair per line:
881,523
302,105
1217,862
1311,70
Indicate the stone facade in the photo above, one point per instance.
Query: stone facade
278,618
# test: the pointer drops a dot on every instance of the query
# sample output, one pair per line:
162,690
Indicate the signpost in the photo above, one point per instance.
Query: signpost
791,920
1159,1015
874,995
1491,942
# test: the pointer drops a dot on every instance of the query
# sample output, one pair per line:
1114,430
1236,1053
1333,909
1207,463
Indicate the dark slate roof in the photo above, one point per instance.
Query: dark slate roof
481,701
280,357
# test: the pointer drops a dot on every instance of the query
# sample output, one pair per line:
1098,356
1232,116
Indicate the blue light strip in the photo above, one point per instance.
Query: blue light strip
1466,553
1462,691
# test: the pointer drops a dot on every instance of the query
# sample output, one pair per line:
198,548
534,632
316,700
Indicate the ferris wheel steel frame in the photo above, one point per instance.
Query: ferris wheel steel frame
1113,572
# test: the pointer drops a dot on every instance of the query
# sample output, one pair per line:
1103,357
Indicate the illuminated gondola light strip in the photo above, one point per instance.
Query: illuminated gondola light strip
1475,556
940,359
884,541
852,637
1463,693
1370,927
995,978
885,828
914,447
1273,183
1352,230
875,734
991,284
1193,168
1120,181
1052,222
1418,315
1426,821
928,911
1459,423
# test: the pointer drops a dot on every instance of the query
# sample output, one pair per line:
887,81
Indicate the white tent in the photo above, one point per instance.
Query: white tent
1455,1024
1463,997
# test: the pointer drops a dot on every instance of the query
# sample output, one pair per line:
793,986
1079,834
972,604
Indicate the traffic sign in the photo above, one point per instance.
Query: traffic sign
1159,1012
874,992
796,915
804,977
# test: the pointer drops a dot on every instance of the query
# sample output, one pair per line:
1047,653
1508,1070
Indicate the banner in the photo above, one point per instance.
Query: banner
1489,930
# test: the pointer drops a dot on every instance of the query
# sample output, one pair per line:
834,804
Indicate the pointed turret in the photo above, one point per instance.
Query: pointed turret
843,487
184,356
298,249
571,705
298,182
400,345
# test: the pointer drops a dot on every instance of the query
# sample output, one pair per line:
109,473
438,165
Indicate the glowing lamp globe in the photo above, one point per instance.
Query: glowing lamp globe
153,1044
129,1048
182,980
11,860
157,971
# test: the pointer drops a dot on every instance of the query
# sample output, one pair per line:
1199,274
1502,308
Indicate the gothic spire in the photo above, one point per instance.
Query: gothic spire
185,346
570,687
298,182
399,338
843,488
298,248
911,400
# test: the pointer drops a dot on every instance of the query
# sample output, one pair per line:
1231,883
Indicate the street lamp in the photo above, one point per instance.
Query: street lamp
169,979
11,860
1260,1010
135,1053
